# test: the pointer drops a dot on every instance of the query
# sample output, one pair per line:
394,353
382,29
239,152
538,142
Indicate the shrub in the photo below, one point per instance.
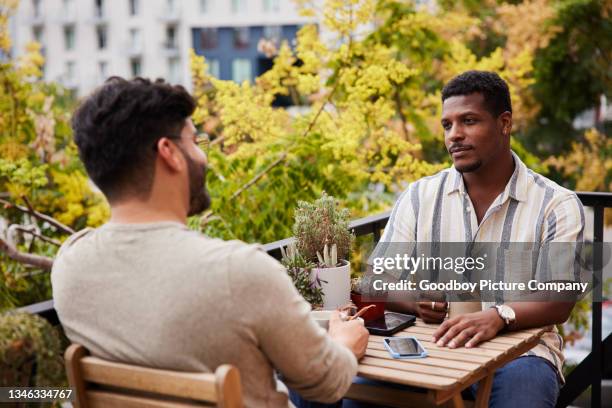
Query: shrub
319,224
29,346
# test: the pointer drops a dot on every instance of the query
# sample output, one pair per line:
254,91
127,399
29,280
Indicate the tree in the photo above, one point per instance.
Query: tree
572,72
569,43
44,191
370,121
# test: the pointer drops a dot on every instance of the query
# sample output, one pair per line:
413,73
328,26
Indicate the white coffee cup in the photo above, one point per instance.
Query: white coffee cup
322,318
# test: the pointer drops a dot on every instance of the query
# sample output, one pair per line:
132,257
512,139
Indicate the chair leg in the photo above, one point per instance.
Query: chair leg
74,354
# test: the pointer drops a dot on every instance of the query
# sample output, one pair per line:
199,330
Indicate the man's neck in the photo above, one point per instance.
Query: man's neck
139,212
490,180
484,185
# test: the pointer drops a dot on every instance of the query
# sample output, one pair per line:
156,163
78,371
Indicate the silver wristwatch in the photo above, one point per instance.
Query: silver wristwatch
506,313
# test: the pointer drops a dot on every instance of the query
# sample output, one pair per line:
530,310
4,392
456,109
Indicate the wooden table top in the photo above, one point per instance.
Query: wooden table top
444,369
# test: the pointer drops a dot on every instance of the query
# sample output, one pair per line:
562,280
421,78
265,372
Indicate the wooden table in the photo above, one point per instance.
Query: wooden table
443,374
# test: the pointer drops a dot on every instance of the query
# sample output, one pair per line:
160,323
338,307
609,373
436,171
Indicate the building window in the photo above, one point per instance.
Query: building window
69,37
70,71
135,67
171,37
171,6
213,67
271,5
101,35
36,8
238,6
99,8
273,33
134,7
205,6
37,34
103,70
68,8
135,40
209,38
174,70
241,37
241,70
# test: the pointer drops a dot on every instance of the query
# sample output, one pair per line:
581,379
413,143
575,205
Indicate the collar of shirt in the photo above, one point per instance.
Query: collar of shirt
515,189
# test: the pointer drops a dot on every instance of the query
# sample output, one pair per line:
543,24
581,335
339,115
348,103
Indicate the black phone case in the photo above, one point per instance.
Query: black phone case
401,321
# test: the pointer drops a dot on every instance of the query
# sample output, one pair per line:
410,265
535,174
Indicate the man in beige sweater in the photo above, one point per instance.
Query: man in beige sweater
145,289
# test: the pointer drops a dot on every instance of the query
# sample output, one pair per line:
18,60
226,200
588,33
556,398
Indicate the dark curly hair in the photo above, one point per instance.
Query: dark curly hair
489,84
117,127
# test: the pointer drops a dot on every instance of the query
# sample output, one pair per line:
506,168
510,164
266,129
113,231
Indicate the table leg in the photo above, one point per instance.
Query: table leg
484,391
458,401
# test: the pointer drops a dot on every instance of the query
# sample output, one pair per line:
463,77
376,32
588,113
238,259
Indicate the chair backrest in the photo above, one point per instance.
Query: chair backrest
102,383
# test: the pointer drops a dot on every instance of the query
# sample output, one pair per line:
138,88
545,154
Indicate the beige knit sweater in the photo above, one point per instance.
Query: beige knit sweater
163,296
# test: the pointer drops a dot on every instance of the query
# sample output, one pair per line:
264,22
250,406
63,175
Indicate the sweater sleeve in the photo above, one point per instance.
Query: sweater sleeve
309,361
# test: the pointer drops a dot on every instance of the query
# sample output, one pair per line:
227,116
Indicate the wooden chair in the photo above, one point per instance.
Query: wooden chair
102,383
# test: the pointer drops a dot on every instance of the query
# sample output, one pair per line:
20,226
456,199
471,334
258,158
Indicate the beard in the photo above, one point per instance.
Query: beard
468,167
199,198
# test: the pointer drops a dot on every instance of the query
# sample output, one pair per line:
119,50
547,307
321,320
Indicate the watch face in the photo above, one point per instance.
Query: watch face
506,312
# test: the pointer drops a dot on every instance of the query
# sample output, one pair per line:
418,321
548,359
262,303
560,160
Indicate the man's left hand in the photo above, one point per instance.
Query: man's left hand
469,329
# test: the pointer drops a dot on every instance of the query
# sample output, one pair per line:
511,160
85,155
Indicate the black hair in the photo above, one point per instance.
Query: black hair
494,90
117,127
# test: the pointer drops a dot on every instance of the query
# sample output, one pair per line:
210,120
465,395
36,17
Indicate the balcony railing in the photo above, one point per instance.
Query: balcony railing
589,372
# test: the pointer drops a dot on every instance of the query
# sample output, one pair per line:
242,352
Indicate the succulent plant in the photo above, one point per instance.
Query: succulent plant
329,258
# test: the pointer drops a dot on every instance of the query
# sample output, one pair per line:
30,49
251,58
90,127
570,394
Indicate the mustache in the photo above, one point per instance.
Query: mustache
459,146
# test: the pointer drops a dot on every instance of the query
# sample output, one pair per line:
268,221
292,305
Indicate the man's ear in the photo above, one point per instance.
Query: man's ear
505,121
169,154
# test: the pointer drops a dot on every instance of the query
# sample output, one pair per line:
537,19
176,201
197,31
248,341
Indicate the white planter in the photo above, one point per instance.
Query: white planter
336,284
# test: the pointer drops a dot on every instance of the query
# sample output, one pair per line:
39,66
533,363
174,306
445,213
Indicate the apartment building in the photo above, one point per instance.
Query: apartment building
86,41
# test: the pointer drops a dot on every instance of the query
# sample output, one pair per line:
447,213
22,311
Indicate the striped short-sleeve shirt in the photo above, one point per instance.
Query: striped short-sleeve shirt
531,209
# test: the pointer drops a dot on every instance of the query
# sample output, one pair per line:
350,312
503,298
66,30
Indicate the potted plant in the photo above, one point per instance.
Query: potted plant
361,290
30,352
299,269
323,238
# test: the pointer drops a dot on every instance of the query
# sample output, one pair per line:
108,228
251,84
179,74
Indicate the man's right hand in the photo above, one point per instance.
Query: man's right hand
351,334
431,312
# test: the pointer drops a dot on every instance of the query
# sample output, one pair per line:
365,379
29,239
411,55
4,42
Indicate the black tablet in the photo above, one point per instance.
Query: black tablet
389,324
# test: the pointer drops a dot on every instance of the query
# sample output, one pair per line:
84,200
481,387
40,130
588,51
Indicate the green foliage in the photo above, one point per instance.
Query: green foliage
530,160
319,225
25,339
571,73
24,173
574,70
299,269
39,167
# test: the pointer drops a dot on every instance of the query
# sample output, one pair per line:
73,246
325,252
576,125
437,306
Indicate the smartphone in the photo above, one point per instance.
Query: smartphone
404,347
389,324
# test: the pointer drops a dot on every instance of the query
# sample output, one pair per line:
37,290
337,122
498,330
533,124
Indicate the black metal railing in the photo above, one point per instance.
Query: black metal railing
589,372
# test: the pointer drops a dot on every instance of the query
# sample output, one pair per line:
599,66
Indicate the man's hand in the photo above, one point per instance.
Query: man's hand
431,312
351,334
469,329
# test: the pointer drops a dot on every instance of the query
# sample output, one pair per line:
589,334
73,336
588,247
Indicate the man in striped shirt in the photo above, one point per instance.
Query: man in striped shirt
489,195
